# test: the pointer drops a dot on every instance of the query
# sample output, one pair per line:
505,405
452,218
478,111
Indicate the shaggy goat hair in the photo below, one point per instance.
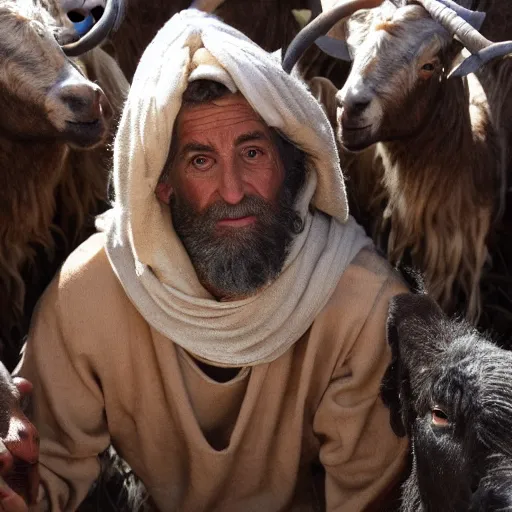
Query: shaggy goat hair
54,156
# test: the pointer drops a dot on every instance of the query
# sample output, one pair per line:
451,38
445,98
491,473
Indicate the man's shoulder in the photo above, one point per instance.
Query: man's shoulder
86,264
354,319
85,299
367,281
366,276
86,276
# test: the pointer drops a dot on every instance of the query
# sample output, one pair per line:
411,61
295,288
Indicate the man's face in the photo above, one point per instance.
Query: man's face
224,152
225,189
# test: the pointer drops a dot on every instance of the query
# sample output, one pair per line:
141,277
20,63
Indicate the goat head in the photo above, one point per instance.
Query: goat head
450,389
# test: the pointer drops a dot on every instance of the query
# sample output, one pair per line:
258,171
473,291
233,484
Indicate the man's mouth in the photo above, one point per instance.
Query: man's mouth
238,222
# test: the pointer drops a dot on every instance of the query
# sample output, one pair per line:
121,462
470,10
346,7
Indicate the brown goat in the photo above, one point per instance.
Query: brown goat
444,162
49,186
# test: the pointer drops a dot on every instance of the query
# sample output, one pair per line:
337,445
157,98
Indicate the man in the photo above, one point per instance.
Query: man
227,329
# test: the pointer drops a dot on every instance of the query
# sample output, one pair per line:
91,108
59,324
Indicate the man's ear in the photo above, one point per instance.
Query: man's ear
164,192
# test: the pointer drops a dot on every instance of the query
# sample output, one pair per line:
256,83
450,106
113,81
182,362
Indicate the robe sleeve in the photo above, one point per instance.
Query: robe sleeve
66,406
362,457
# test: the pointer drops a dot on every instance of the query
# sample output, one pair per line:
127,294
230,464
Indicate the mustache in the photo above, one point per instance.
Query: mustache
249,206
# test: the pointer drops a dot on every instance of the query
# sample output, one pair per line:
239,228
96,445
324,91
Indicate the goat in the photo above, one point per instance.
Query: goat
443,165
49,185
449,389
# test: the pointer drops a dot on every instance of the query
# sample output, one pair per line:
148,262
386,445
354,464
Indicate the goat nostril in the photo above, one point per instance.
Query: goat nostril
353,107
82,100
360,105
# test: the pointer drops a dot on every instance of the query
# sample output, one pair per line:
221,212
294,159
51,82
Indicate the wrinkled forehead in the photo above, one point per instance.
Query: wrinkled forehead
396,36
228,112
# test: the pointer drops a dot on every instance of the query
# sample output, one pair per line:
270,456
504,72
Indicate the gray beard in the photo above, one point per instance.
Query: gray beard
236,262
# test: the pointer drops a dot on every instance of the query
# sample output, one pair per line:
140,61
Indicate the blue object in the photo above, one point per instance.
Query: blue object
82,27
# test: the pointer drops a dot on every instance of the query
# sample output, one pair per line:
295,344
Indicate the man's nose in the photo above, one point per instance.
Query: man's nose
231,185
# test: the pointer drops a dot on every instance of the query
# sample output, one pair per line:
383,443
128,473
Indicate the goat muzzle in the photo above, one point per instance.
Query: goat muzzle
80,111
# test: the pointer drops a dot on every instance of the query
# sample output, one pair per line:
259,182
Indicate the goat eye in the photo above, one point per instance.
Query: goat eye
428,67
439,417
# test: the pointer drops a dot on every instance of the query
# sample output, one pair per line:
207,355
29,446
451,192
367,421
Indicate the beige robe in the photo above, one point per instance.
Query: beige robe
101,374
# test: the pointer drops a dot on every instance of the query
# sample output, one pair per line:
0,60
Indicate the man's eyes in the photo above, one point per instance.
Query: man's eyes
201,162
252,153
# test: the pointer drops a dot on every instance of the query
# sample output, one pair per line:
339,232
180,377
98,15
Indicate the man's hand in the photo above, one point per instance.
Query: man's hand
19,447
10,501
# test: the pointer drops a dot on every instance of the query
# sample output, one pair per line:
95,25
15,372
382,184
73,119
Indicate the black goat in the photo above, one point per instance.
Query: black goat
450,390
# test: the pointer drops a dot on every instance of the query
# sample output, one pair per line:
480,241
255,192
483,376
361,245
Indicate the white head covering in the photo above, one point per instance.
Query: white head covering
143,248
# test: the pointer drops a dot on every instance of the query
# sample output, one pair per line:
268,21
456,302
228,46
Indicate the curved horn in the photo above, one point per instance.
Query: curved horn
476,61
110,20
474,18
482,49
455,24
320,26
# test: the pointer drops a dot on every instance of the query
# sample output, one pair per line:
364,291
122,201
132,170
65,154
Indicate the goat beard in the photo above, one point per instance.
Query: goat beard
236,262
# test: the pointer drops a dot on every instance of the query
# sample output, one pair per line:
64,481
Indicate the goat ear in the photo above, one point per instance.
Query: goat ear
333,47
420,328
394,382
392,395
414,333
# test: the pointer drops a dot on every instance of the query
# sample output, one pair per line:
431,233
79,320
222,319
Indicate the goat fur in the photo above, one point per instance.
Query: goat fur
448,388
48,193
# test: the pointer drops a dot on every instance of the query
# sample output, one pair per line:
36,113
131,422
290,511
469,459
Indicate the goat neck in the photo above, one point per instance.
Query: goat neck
27,207
441,195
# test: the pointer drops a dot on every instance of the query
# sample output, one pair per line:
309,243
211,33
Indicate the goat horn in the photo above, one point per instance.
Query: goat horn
474,18
111,19
320,26
476,61
455,24
482,49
